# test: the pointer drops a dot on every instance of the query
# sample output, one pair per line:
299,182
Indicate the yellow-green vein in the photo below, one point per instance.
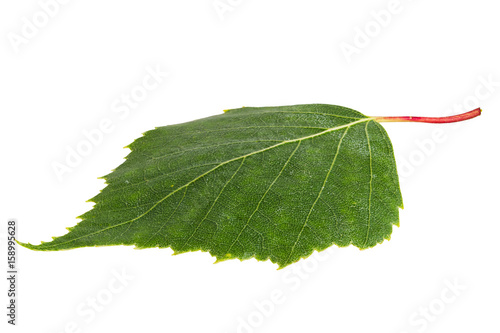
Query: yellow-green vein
319,194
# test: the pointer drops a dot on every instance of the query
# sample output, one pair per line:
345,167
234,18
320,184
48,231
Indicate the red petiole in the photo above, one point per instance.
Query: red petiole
436,120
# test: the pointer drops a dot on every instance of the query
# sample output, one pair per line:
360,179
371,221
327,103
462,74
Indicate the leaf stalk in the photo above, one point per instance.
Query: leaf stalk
434,120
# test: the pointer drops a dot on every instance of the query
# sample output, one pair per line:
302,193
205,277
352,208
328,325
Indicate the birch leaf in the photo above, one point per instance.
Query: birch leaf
270,183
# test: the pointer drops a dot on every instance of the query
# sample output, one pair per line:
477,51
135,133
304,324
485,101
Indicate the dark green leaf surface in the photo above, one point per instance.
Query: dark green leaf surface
271,183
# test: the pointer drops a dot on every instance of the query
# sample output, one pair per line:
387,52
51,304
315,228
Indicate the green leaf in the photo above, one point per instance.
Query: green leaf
271,183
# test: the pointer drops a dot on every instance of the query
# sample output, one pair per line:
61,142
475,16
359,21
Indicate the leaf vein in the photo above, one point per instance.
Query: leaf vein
371,179
264,195
319,194
213,204
166,221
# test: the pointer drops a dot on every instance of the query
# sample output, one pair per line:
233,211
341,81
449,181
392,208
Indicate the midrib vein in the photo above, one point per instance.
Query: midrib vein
213,169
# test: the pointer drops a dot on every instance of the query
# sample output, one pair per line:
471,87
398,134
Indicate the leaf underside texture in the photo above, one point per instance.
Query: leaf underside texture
270,183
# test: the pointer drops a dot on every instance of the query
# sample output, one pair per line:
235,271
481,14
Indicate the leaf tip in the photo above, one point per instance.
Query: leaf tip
28,245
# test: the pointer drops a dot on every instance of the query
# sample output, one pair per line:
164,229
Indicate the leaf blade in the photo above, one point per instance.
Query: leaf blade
256,194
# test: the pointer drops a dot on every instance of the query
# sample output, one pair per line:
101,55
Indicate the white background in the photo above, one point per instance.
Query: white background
430,58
